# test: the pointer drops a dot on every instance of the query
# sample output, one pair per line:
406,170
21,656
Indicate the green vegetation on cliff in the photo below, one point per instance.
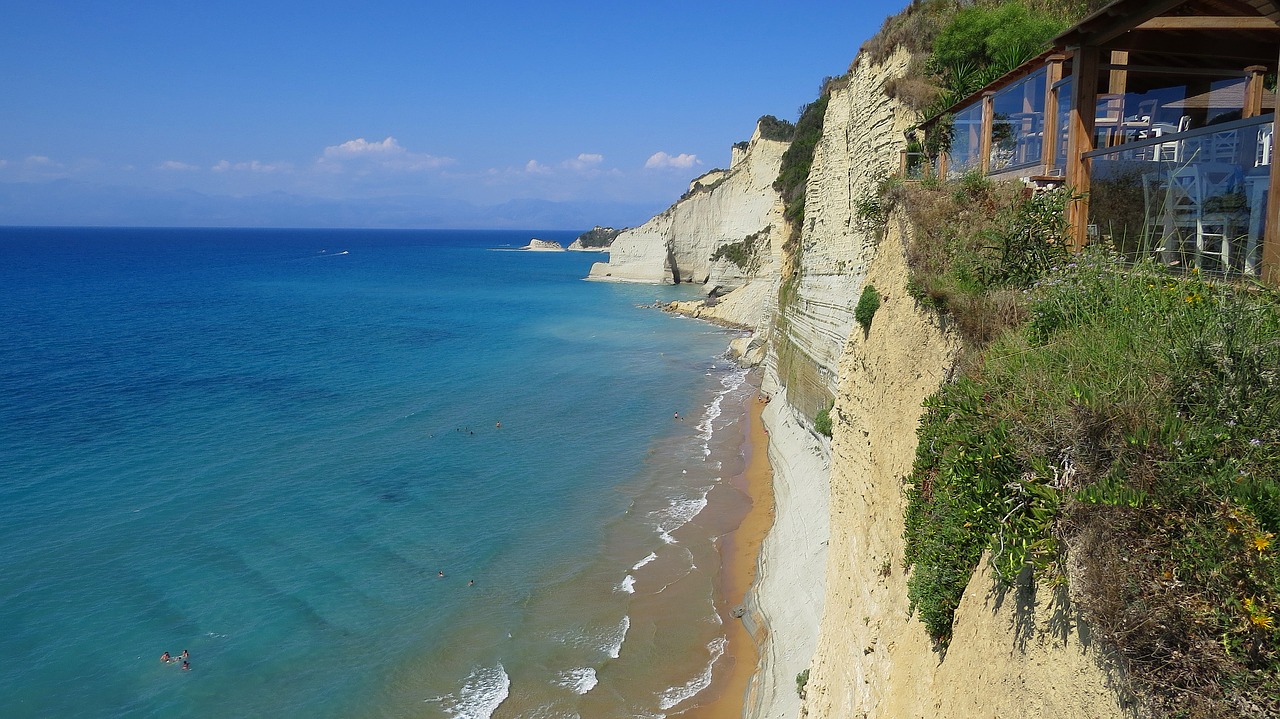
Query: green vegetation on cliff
798,159
957,47
599,236
1128,415
744,253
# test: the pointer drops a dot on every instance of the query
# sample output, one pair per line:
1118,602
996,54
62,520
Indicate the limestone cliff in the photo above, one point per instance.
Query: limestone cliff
723,207
863,133
1015,653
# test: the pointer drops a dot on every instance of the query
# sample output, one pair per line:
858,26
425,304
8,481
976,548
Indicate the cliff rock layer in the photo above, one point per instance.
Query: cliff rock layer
823,273
677,245
1015,653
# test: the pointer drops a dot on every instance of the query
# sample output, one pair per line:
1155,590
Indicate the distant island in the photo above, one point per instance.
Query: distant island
536,245
596,239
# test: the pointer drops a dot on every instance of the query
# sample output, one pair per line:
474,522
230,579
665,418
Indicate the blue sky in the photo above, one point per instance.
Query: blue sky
143,113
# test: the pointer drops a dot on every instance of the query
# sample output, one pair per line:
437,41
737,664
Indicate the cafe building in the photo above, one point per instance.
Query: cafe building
1158,115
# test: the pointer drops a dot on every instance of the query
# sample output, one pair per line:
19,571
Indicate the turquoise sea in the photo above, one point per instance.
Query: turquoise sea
265,446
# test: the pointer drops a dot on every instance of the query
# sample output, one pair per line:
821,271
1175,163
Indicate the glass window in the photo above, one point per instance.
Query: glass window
966,141
1017,124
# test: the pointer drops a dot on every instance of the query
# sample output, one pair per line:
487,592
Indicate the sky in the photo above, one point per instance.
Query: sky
398,114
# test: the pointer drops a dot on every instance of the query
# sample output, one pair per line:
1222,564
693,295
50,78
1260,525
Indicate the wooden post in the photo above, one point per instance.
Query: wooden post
1049,149
1118,79
1270,269
1253,90
988,119
1080,126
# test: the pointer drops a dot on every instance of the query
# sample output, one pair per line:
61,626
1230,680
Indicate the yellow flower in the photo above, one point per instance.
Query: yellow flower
1263,621
1249,605
1232,528
1262,541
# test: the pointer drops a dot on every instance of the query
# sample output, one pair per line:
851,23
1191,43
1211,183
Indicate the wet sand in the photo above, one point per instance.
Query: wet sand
740,554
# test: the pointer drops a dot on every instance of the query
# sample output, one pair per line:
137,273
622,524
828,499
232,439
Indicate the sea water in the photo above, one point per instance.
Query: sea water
281,451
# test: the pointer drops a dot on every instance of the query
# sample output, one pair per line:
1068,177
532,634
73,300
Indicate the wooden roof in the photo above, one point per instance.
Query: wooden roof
1185,33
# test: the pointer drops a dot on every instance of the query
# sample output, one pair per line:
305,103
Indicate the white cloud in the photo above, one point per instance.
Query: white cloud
178,166
584,161
252,166
362,147
387,154
536,168
660,160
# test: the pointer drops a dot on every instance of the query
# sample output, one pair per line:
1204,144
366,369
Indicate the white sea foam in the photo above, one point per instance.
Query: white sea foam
675,695
652,556
706,427
481,694
628,585
678,514
581,680
619,636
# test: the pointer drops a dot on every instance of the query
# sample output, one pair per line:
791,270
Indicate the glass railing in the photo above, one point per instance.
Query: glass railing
1194,199
1017,125
966,140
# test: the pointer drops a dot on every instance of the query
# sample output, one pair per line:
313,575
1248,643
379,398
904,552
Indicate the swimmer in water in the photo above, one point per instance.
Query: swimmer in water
186,666
471,582
184,656
442,573
166,658
498,425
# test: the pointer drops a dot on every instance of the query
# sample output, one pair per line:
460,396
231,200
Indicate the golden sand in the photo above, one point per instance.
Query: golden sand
740,553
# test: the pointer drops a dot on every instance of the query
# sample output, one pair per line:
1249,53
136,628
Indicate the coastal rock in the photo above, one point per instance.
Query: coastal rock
678,244
596,239
536,245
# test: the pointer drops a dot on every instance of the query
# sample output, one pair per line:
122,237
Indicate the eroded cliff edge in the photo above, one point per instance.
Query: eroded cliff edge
725,207
832,585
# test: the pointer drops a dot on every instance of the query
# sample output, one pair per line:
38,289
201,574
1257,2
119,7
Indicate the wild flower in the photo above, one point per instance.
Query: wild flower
1262,541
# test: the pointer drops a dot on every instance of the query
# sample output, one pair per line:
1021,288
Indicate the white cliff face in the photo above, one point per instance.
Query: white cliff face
1020,654
862,136
677,245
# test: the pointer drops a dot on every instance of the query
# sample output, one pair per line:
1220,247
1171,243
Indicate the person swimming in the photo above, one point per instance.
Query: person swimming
471,582
166,658
442,573
186,666
184,656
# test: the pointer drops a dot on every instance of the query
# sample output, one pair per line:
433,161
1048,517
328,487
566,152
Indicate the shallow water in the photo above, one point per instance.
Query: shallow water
264,447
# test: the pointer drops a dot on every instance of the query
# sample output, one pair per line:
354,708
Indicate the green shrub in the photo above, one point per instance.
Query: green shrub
802,680
771,128
868,303
822,422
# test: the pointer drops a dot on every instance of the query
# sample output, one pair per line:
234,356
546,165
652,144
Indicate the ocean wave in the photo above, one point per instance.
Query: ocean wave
615,647
481,694
652,556
678,514
675,695
706,427
628,585
581,680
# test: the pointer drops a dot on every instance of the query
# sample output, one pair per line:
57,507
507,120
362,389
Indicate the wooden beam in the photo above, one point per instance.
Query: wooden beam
1104,31
1253,90
1080,127
1241,50
1049,146
1117,80
1205,22
988,119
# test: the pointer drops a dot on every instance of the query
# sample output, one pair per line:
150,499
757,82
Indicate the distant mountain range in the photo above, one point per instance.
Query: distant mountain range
74,203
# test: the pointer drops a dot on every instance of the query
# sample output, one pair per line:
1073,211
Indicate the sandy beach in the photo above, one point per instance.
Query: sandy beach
740,554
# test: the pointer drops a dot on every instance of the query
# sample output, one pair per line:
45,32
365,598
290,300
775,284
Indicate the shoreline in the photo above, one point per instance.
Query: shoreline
740,552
